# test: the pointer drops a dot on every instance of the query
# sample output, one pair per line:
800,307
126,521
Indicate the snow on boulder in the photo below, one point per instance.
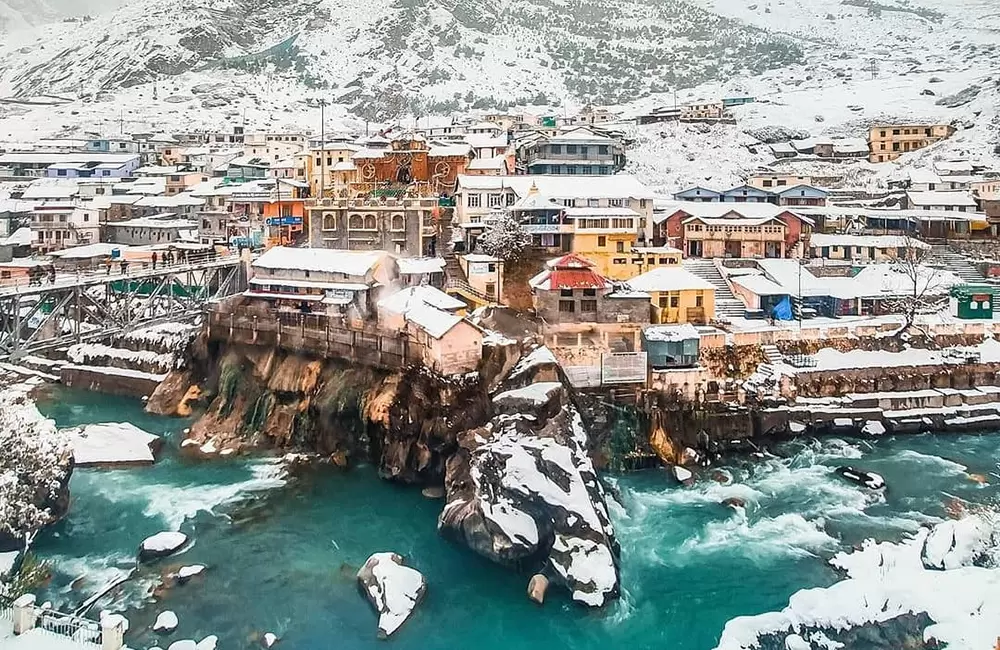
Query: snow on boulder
268,640
683,475
161,545
185,573
873,428
529,398
393,590
208,643
954,544
523,488
185,644
165,623
112,444
796,642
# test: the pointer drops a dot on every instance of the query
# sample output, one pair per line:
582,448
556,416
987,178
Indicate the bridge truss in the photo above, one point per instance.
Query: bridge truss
97,306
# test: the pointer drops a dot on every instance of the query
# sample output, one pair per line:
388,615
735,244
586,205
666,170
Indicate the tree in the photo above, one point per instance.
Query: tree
504,238
34,468
920,287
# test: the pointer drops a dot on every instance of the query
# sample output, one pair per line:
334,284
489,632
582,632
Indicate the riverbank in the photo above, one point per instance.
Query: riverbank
281,555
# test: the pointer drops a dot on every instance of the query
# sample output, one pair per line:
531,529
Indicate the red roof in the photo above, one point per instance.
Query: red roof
571,261
575,279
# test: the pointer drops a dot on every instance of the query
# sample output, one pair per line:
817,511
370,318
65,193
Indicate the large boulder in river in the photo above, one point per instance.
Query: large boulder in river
393,590
161,545
522,491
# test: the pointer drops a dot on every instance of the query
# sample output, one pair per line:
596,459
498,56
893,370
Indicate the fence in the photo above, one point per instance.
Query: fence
323,335
27,618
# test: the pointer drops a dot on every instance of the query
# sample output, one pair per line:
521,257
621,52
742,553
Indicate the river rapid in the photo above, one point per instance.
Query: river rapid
282,552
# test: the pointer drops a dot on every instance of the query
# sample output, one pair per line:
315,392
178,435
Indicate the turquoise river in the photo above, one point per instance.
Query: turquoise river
282,554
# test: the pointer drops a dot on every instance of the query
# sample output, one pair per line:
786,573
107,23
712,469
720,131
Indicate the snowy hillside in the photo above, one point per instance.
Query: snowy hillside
178,64
408,55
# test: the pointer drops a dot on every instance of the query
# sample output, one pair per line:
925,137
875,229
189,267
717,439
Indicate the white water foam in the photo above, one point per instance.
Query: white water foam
928,462
174,503
786,535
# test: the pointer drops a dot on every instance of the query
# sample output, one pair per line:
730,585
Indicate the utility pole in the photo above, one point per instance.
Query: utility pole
873,68
322,162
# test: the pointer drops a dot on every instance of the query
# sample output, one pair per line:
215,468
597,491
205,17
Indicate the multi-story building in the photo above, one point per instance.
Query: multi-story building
158,229
770,190
570,290
274,146
676,295
580,151
409,165
404,226
705,111
71,165
722,230
55,226
889,141
771,181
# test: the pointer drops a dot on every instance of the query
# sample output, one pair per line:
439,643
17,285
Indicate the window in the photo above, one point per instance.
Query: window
569,203
895,146
566,293
619,247
511,198
602,241
590,293
881,148
555,148
622,224
570,170
593,203
588,305
768,183
663,302
356,222
571,148
620,261
475,201
602,150
494,200
61,172
699,301
206,224
895,131
86,217
398,223
567,306
616,203
675,302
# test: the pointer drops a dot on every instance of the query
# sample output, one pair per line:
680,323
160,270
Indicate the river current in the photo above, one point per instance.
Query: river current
281,554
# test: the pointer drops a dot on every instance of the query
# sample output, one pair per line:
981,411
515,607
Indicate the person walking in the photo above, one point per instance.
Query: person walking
107,265
124,266
154,260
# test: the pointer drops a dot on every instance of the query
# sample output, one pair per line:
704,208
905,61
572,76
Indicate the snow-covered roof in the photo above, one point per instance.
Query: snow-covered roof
483,164
758,284
51,189
782,147
574,213
156,221
581,134
922,176
432,320
326,260
343,166
873,281
706,210
958,198
668,333
724,221
669,279
563,187
420,265
657,250
449,150
90,250
20,237
401,301
819,240
949,167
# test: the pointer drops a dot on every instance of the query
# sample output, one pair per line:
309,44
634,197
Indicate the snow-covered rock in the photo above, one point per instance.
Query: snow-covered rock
959,543
524,487
394,590
161,545
208,643
683,475
184,644
873,428
796,642
165,623
885,581
112,444
185,573
268,640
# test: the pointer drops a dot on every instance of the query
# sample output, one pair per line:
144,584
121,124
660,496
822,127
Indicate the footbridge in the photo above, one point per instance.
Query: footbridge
48,313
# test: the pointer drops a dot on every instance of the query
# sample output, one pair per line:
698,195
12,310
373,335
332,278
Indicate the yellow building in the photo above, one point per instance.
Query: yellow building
771,181
335,160
606,236
676,296
889,141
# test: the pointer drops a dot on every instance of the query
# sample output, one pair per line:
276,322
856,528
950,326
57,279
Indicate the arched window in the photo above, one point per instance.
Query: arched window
370,223
329,221
398,223
356,222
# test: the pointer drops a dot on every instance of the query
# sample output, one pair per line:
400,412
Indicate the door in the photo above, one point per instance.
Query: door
694,249
734,248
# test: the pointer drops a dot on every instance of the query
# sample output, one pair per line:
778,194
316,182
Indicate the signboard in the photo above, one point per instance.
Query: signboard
479,268
624,368
284,221
546,228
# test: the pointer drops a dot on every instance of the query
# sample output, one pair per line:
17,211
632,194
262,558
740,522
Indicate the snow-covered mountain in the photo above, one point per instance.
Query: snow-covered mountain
406,55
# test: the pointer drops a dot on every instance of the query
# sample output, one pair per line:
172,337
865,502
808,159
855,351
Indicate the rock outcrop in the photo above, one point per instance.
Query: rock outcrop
394,590
161,545
523,492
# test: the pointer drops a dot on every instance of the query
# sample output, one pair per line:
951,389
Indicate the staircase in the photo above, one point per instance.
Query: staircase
944,257
726,303
772,354
467,293
452,269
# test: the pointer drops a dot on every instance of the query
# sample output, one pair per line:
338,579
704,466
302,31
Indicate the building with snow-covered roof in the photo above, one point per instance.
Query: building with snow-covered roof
321,280
165,228
570,290
71,165
711,230
402,226
773,182
577,151
676,295
887,142
62,225
417,271
862,248
959,201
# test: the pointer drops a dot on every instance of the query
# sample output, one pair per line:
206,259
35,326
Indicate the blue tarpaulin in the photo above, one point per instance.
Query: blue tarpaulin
783,310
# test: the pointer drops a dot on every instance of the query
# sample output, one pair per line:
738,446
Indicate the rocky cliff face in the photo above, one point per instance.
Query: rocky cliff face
522,491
